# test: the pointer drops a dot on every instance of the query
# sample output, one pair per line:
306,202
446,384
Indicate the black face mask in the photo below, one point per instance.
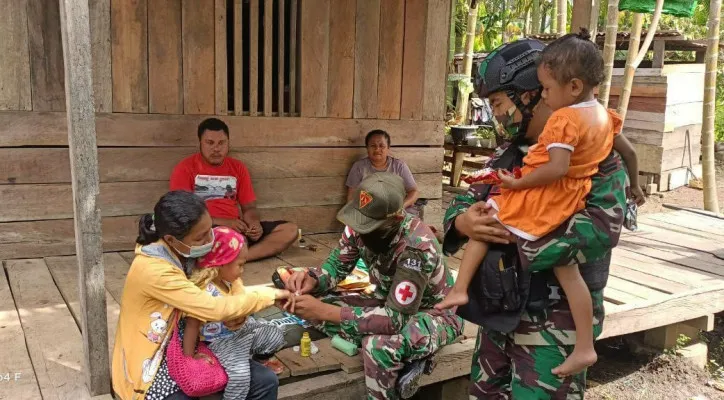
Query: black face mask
379,240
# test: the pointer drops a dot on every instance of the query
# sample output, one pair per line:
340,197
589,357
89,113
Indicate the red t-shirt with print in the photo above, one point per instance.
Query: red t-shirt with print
223,187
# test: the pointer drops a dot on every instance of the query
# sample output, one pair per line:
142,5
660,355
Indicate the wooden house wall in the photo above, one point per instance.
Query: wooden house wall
161,66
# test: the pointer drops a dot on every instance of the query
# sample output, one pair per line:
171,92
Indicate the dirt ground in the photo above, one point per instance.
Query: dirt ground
620,374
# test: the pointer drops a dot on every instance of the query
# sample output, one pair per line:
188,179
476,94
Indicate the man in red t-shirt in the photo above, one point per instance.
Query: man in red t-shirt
224,183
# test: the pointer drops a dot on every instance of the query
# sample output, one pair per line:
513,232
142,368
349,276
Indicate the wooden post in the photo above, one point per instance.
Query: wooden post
75,30
659,53
581,15
457,167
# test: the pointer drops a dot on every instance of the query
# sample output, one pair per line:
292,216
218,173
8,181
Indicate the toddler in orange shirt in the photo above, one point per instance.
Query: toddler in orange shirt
556,178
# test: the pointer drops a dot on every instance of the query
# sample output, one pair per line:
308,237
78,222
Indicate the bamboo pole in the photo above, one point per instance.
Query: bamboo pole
711,202
554,16
535,18
461,108
609,51
593,22
562,17
628,76
636,54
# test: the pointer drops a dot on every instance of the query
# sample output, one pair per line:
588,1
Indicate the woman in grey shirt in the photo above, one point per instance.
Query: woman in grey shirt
379,160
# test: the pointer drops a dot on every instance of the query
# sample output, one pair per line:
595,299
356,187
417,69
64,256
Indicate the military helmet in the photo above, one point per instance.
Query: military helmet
510,67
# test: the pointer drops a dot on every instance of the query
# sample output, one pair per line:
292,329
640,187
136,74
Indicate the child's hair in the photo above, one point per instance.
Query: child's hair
574,56
201,277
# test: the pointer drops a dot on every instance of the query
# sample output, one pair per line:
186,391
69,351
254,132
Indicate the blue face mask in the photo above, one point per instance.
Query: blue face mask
197,251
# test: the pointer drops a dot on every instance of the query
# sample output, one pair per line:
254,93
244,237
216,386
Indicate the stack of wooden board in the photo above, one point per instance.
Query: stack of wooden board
664,119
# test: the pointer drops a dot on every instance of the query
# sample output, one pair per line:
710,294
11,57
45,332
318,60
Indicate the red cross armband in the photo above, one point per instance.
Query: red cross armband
408,284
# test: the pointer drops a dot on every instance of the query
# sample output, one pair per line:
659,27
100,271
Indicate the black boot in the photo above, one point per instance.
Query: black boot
409,379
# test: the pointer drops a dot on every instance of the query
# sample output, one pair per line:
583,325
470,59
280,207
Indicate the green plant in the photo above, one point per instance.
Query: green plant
484,132
681,342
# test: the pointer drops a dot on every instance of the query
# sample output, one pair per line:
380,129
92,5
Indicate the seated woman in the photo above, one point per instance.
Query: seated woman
157,291
379,160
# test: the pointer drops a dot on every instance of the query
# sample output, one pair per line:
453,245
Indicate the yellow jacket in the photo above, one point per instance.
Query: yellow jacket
155,287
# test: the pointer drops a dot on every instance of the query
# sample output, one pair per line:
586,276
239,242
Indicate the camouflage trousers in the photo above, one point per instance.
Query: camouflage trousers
384,355
589,234
503,370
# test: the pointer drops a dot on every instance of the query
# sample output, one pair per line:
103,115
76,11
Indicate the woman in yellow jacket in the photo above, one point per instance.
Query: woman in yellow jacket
157,290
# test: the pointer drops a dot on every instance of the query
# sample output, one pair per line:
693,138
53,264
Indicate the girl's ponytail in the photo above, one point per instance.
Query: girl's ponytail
147,233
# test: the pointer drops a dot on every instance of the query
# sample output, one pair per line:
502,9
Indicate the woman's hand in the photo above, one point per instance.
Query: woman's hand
477,223
301,283
202,356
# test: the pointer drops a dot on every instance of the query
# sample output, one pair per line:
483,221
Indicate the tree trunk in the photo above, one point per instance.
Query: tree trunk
609,51
633,51
461,108
526,23
562,17
543,21
535,18
554,16
707,130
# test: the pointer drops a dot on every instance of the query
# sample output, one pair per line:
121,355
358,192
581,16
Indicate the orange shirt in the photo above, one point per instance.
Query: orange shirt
587,130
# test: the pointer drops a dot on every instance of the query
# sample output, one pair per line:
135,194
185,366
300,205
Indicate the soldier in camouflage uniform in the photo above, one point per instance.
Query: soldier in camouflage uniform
518,364
396,326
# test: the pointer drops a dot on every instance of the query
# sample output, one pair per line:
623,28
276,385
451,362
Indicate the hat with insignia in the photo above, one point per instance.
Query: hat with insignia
378,197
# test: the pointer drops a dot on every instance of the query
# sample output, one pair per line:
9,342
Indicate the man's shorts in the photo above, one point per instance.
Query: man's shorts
267,227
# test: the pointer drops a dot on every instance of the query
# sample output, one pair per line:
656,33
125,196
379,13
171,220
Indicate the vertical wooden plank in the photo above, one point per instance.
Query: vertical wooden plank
253,57
436,51
220,57
293,58
280,58
413,59
198,52
392,33
46,56
15,91
238,59
75,29
100,29
314,53
129,35
340,93
268,51
165,57
659,54
367,50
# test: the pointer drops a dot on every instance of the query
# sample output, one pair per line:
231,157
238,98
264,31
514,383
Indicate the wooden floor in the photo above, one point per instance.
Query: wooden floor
671,270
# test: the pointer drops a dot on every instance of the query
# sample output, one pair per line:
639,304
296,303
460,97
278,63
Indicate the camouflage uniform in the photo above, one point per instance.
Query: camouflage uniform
396,323
517,365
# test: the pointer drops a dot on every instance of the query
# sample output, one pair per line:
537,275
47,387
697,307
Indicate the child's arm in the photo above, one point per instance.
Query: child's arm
191,336
555,169
628,153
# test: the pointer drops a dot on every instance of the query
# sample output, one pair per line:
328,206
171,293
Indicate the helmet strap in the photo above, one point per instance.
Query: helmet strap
526,111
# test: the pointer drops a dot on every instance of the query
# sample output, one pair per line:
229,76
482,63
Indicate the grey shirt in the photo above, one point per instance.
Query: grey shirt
361,168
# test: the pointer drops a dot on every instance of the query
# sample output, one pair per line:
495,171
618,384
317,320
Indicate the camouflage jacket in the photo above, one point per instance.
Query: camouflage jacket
553,325
410,277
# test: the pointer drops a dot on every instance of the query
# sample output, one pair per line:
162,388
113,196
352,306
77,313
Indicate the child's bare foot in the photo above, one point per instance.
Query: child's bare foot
454,298
576,362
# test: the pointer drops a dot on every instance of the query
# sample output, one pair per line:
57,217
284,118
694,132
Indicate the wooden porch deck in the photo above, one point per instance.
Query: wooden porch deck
671,270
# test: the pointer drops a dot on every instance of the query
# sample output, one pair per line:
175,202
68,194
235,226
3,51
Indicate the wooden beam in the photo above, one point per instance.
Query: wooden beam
253,57
268,56
75,29
340,95
367,51
100,27
436,50
46,56
280,58
413,60
314,53
392,36
198,33
659,52
165,57
238,58
129,38
18,128
220,57
293,57
15,60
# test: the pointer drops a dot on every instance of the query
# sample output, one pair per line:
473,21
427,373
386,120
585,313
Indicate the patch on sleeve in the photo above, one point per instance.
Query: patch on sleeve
413,263
405,293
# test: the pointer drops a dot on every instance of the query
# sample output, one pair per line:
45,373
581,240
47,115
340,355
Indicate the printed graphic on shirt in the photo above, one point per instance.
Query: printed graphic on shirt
211,187
158,328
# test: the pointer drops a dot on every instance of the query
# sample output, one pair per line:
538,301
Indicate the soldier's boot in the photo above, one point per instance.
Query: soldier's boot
409,379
